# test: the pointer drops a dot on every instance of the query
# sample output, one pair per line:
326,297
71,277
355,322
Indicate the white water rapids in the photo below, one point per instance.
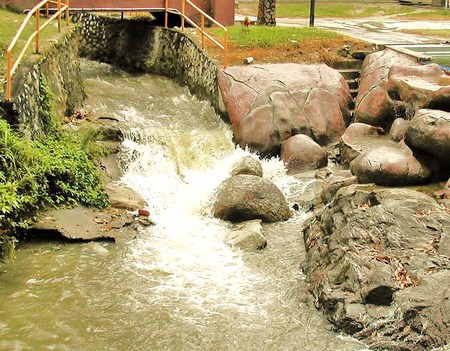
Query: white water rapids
177,286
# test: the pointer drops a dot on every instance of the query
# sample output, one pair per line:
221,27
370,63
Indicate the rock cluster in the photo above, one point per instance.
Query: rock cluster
268,104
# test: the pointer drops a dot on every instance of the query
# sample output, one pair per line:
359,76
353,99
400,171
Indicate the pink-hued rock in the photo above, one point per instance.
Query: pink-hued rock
373,104
419,86
389,166
268,104
398,129
301,153
359,138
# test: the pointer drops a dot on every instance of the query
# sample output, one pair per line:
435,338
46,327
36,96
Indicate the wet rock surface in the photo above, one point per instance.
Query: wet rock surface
246,197
268,104
301,153
392,166
377,267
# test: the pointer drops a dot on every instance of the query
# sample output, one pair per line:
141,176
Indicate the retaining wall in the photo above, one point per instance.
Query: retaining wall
136,45
53,78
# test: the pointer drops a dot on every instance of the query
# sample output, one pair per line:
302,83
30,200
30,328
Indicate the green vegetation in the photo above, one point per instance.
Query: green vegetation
348,9
266,36
52,171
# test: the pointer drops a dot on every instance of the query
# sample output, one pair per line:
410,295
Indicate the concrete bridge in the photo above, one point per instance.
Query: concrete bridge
221,10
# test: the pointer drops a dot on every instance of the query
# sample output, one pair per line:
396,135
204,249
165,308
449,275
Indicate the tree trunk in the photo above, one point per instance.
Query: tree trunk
266,13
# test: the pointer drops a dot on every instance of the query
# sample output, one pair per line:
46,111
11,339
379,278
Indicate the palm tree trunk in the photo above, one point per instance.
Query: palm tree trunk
266,13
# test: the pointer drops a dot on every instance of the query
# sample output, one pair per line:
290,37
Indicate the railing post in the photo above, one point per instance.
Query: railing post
203,31
8,75
225,51
166,15
47,12
59,16
67,12
38,30
183,13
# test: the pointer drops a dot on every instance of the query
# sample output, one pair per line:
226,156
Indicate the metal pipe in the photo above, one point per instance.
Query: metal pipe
203,31
67,12
166,14
59,16
183,13
37,30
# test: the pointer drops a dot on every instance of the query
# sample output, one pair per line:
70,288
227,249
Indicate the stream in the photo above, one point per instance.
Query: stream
177,286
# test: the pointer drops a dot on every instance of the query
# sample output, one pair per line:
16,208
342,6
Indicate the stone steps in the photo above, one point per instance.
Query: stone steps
351,71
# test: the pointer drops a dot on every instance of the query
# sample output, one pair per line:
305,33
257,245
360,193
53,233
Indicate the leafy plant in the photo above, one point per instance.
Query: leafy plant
52,171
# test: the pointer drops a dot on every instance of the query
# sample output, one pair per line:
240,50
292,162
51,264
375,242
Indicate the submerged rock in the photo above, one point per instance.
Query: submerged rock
248,165
247,236
245,197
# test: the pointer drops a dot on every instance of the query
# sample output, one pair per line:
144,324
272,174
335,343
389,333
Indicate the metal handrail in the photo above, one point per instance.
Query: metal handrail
201,28
11,68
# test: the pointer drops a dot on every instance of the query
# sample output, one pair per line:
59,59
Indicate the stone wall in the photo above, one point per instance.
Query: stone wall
52,79
136,45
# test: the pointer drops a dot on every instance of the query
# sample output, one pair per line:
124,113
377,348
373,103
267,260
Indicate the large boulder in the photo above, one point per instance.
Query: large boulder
376,267
429,131
302,153
373,104
268,104
420,86
246,197
392,166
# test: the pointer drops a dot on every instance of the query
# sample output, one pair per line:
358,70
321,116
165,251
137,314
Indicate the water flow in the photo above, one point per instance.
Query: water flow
177,286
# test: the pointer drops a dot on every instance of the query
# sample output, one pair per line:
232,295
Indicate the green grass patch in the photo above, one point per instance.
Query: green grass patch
348,9
438,33
264,36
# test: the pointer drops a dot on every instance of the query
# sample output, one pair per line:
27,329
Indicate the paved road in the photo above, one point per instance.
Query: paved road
379,31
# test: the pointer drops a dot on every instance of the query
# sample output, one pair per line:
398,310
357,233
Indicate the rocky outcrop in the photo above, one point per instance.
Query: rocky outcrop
377,261
393,166
268,104
302,153
246,197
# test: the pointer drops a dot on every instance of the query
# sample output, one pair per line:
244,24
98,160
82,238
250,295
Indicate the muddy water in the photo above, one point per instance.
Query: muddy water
177,286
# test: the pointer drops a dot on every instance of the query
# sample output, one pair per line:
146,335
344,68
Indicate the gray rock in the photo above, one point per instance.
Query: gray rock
247,236
248,165
123,197
245,197
429,131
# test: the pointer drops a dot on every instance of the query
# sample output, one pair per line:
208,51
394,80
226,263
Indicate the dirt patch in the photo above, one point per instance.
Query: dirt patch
315,51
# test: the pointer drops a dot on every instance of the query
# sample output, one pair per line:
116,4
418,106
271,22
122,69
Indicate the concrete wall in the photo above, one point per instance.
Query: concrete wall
136,45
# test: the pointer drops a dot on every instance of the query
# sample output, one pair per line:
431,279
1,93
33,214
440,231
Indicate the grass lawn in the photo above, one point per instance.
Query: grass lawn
347,9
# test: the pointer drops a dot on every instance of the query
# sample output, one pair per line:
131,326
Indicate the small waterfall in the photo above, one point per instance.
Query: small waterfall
177,286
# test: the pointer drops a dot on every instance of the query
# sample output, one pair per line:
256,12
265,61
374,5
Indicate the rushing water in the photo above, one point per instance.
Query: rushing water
177,286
